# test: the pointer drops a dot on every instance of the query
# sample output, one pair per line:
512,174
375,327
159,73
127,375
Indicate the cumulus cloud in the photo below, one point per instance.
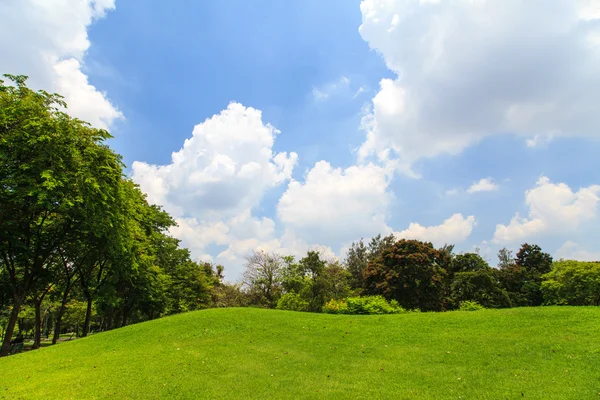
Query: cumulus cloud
574,251
469,69
483,185
553,208
49,43
455,229
215,180
337,205
222,171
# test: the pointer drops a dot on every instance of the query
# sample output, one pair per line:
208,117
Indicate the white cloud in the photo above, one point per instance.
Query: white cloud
573,251
483,185
336,205
455,229
222,171
323,92
215,181
553,208
469,69
47,40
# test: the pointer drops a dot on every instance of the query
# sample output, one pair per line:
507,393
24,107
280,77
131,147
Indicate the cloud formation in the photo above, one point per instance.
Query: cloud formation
336,205
455,229
483,185
553,208
217,178
470,69
49,43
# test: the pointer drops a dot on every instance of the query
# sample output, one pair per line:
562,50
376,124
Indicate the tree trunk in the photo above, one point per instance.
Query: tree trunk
109,320
88,316
61,311
37,340
12,321
124,322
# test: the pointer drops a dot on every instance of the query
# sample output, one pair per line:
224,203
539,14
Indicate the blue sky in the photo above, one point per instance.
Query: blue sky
310,124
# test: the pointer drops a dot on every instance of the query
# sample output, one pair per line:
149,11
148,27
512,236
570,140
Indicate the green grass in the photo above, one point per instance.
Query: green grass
531,353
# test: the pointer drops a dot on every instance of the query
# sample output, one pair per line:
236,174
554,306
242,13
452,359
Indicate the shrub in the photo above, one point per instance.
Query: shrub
336,307
363,305
574,283
468,305
292,302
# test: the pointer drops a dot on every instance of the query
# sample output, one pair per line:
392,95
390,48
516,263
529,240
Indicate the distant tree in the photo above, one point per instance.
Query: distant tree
575,283
355,261
335,281
409,272
505,258
378,244
522,278
359,255
467,262
229,295
313,268
480,286
262,277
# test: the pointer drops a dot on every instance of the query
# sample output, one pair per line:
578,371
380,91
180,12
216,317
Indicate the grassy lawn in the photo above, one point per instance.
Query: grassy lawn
531,353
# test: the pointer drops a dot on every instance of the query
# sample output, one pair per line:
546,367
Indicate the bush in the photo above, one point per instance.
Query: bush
363,305
470,306
292,302
336,307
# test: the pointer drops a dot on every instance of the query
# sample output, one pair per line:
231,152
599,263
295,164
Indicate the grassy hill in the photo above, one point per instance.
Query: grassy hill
531,353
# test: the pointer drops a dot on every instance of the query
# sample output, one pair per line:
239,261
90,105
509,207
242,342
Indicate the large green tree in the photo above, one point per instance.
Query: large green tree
49,171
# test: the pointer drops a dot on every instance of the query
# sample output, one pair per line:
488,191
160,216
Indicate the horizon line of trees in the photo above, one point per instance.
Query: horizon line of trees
417,276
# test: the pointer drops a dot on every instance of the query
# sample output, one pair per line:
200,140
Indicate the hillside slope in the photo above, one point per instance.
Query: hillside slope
546,352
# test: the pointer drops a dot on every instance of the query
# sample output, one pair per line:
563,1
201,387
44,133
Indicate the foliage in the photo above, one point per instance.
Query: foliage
359,255
467,262
410,273
479,286
574,283
522,277
262,278
292,302
469,305
73,227
229,295
363,305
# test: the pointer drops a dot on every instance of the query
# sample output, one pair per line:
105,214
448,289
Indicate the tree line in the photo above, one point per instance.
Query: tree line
76,235
414,275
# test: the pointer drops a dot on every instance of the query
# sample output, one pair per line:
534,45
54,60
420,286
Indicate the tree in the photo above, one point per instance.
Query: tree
574,283
505,258
359,255
48,171
335,282
313,267
410,273
262,277
356,260
479,285
522,278
467,262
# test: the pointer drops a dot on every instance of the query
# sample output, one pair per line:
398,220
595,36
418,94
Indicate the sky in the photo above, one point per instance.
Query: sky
299,125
